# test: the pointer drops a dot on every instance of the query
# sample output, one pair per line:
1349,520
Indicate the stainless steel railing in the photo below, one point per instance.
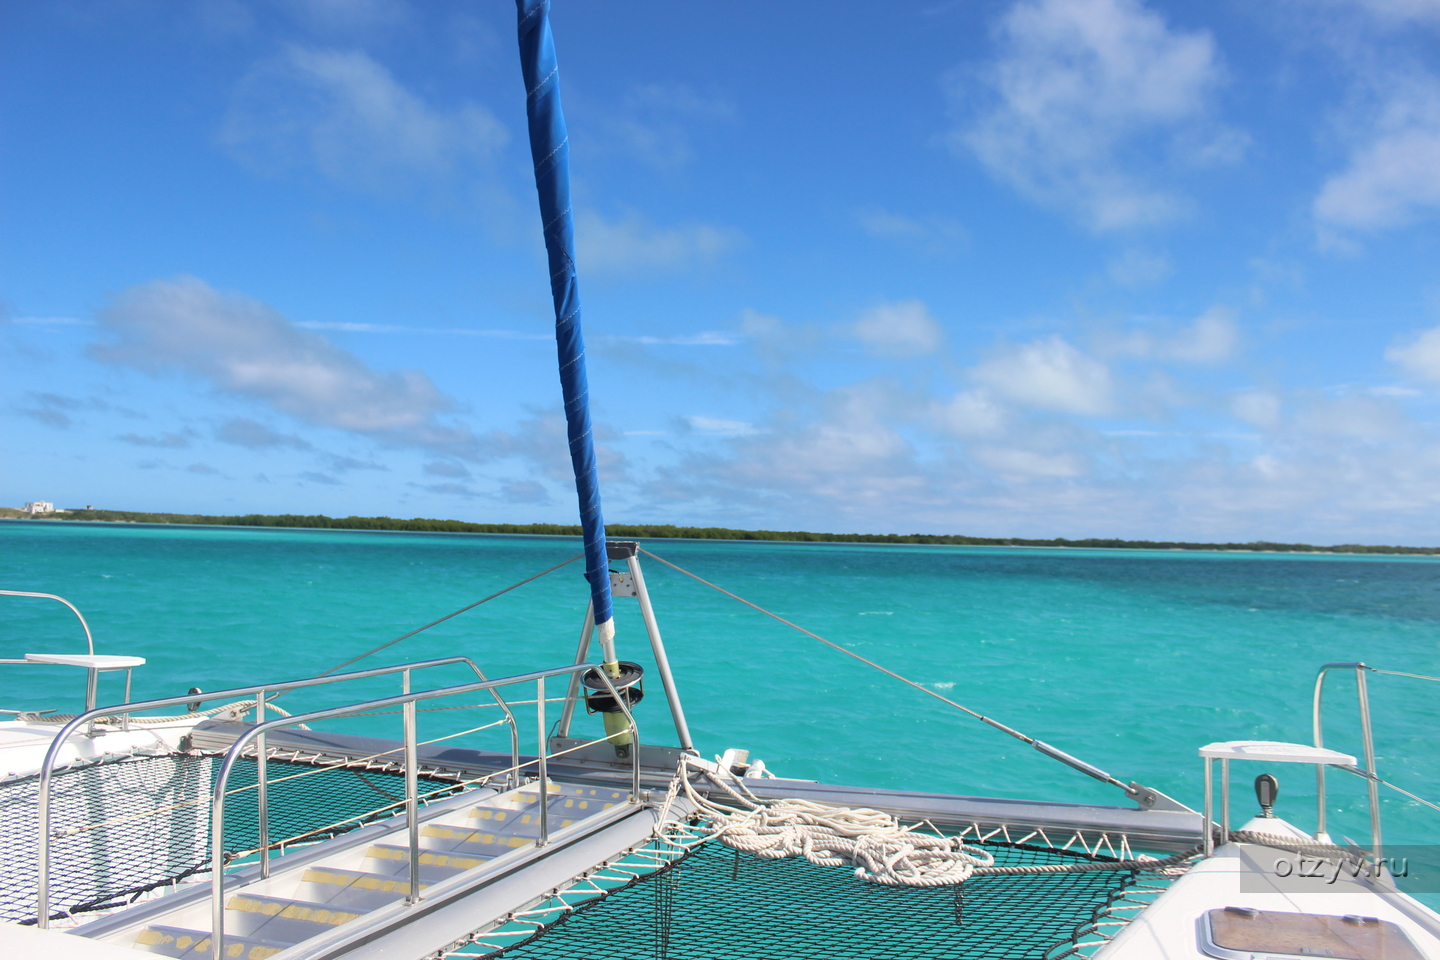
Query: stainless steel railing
260,692
89,640
1372,778
406,701
1368,738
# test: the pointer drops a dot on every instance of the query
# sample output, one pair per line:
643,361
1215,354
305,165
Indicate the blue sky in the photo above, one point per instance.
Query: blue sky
1038,268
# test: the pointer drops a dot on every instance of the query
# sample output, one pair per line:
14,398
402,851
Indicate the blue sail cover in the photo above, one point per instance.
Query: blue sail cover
550,148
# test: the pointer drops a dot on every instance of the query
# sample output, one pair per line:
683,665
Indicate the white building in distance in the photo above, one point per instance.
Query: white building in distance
39,506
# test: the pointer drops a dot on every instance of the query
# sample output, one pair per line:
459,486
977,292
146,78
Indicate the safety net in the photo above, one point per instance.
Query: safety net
718,904
122,827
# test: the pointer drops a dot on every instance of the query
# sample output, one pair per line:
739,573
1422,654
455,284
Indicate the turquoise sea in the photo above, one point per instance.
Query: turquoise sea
1128,659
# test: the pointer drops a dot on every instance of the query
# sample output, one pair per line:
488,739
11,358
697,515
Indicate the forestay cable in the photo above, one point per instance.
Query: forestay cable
1045,748
447,616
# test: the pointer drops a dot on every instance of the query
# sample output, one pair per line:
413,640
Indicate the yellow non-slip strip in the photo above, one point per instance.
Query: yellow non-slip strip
585,804
475,836
157,938
373,884
487,813
291,911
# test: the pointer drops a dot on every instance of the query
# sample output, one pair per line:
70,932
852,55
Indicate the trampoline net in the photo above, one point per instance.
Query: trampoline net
123,827
721,903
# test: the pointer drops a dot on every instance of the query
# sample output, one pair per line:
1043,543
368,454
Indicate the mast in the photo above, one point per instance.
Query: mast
550,149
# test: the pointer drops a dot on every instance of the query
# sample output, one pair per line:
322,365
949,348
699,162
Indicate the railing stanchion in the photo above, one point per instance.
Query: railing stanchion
217,855
42,847
1321,833
412,805
540,763
1208,818
1225,799
262,793
1371,782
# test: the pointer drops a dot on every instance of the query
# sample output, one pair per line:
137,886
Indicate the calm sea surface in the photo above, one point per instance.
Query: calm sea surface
1130,660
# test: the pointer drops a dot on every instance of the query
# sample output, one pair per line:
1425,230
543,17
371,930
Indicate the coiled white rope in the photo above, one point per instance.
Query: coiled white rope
874,843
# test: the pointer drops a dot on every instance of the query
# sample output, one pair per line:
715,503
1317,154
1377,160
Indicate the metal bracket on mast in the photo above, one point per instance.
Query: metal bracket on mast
631,584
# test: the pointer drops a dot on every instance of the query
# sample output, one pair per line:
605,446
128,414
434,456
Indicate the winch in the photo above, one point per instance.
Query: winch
630,688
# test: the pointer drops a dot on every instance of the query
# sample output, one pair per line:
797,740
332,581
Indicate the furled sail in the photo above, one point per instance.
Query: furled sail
550,149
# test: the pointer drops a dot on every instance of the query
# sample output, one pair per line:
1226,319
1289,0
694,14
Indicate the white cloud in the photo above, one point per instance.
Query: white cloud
632,243
899,330
347,116
448,468
934,234
1419,356
848,458
716,426
1138,268
1211,338
1081,91
168,440
244,432
1391,178
774,339
654,121
349,16
245,348
52,321
1049,374
705,338
343,326
973,413
1258,407
540,441
1018,464
1356,417
1398,12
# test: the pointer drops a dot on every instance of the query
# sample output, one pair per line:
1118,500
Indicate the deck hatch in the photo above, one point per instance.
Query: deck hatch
1238,933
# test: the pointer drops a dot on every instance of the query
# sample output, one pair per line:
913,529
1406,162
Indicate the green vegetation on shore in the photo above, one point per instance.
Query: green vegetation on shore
670,531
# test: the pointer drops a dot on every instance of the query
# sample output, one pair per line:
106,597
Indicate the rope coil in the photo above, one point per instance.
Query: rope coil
874,843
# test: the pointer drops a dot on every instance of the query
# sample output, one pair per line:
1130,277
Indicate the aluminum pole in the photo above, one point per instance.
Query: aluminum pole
657,647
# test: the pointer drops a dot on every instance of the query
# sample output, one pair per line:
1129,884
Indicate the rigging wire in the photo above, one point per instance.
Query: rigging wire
1040,745
447,616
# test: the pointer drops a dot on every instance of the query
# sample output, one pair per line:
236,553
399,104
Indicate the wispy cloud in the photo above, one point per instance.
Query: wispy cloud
164,440
705,338
631,243
1418,355
1078,95
244,348
1390,179
719,427
655,122
1211,338
253,435
349,17
55,409
932,234
900,330
342,113
338,326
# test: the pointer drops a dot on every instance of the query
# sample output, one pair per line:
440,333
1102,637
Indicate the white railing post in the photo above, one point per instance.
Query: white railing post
1372,782
412,804
540,763
262,794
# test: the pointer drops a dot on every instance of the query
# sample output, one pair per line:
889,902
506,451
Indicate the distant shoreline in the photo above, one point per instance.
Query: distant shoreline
672,532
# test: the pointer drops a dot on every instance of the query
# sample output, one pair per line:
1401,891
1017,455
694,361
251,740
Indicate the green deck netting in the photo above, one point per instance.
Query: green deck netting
718,903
